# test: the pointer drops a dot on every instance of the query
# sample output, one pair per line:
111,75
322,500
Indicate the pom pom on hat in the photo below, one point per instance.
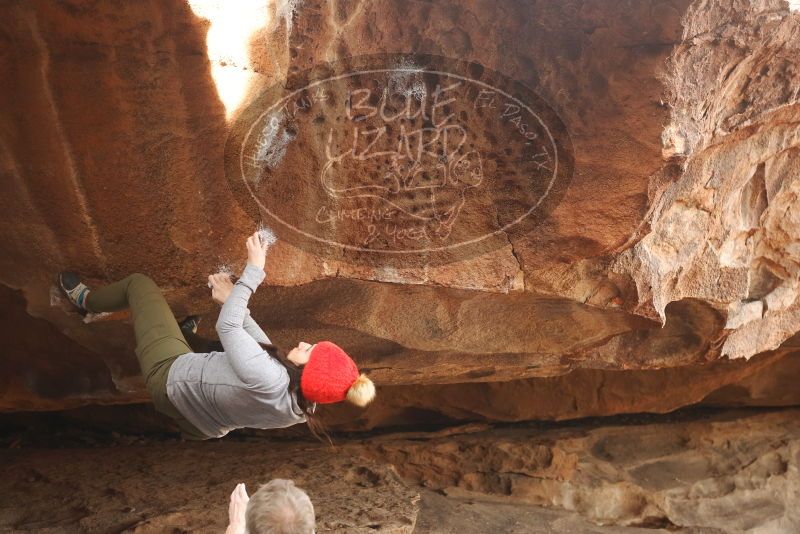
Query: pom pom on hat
332,376
361,392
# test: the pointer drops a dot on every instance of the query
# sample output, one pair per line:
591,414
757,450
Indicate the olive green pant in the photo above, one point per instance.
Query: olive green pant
159,340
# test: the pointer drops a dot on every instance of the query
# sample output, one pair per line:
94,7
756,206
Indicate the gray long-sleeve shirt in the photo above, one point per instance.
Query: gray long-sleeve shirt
241,387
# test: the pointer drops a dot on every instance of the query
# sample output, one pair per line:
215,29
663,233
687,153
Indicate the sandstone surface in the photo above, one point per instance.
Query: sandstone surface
673,248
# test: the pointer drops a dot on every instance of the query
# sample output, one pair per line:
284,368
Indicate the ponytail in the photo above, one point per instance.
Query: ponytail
315,425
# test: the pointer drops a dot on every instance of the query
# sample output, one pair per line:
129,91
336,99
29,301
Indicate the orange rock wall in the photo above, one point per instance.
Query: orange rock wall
672,246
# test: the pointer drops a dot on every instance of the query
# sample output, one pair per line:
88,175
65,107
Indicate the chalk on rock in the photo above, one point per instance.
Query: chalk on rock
223,268
56,296
266,235
92,317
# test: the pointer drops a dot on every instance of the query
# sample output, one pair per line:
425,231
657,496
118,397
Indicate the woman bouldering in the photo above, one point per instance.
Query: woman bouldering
250,383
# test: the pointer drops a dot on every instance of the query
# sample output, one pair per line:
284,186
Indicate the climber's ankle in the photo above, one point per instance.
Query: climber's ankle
76,291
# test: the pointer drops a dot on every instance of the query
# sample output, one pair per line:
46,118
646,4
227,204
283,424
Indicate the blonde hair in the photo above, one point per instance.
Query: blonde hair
362,392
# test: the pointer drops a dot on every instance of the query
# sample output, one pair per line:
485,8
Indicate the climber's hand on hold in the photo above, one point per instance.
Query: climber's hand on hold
256,252
221,286
236,510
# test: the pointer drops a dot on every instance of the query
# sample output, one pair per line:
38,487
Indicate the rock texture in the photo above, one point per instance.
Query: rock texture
720,474
726,230
674,246
475,514
693,472
157,487
764,381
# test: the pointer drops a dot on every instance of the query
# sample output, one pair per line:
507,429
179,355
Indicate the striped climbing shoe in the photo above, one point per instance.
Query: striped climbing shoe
75,290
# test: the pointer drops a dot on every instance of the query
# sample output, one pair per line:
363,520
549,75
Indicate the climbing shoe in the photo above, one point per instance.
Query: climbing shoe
190,324
75,290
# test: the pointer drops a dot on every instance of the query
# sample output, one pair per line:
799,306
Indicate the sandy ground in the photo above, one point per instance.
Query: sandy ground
183,487
473,479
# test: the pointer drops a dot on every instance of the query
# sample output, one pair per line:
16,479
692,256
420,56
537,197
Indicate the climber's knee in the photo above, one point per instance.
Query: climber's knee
140,282
140,278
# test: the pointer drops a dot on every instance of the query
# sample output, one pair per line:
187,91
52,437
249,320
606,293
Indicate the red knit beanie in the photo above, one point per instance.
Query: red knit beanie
328,374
